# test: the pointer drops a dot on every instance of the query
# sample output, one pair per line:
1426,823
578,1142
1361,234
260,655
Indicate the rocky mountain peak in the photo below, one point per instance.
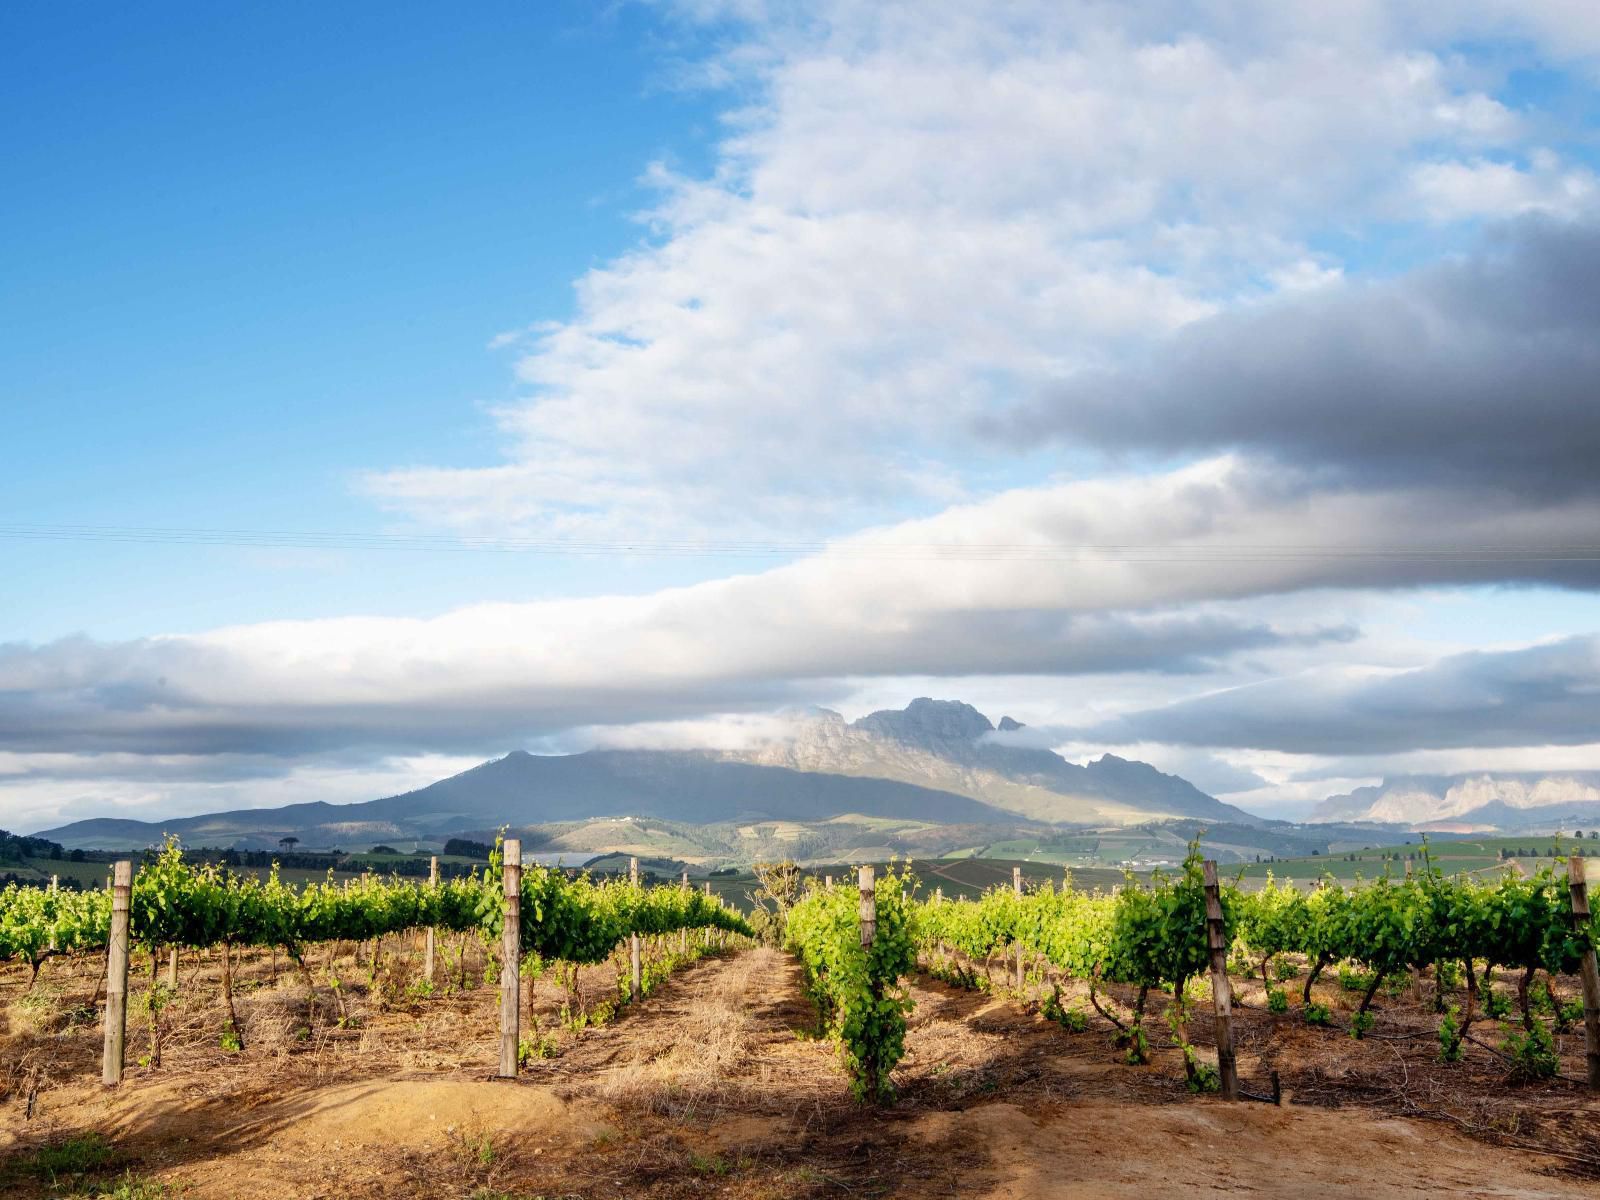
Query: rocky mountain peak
925,721
1007,725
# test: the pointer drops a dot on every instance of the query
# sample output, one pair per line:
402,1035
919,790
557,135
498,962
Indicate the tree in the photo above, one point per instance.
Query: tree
288,843
780,888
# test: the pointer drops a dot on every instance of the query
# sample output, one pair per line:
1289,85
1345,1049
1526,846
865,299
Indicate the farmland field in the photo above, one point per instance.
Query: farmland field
363,1079
713,1087
1477,855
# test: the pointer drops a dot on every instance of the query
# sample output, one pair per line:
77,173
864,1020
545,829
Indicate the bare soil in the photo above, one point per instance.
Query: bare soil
716,1085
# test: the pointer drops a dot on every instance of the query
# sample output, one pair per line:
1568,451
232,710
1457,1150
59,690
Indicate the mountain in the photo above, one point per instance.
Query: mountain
935,762
525,789
951,746
1512,801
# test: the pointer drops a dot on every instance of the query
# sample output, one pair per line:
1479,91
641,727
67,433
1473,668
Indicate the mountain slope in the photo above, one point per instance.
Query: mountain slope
935,761
953,747
526,789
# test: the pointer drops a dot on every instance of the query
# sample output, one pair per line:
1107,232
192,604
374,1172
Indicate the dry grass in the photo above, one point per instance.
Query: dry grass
700,1070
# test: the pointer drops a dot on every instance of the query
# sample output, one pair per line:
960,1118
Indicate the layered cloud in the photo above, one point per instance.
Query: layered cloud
1141,574
924,212
1478,372
1538,695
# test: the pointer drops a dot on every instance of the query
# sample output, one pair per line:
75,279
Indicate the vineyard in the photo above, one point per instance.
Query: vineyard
1152,991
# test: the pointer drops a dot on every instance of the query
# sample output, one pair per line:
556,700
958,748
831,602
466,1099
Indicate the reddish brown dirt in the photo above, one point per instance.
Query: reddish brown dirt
713,1086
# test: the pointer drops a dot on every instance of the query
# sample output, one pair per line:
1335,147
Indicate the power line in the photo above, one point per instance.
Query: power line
850,549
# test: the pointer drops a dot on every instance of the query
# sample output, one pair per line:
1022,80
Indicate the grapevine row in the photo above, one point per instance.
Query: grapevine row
176,903
854,979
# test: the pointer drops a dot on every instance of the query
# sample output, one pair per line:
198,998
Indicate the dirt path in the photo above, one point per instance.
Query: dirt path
713,1087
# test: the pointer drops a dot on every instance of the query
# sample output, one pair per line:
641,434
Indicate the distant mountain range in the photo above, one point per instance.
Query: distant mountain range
1513,802
953,747
937,762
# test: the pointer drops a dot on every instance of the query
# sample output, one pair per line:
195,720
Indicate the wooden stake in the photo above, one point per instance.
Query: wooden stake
1016,886
429,937
1221,993
705,934
1578,883
869,907
117,974
511,961
636,978
827,881
683,934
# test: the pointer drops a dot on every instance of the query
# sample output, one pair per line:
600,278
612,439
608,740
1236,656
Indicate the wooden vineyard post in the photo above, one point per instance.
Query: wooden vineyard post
1578,883
1221,993
511,962
117,974
428,938
683,934
172,968
869,907
636,979
827,882
1016,887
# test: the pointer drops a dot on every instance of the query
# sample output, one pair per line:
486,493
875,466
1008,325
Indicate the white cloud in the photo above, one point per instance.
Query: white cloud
1451,191
923,211
1162,573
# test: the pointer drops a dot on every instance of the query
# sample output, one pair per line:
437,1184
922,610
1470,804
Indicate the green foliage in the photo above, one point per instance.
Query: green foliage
856,988
1317,1014
1450,1036
1074,1020
1361,1024
178,903
1354,979
1138,1046
1201,1076
1532,1053
1277,1000
73,1157
541,1045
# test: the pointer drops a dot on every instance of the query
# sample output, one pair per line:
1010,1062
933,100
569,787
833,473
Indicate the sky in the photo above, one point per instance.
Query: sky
389,387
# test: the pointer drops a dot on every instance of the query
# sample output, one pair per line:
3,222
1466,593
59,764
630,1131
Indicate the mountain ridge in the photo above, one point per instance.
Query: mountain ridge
951,746
1509,800
935,761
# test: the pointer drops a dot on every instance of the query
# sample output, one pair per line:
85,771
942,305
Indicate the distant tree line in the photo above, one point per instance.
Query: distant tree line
14,847
335,860
33,881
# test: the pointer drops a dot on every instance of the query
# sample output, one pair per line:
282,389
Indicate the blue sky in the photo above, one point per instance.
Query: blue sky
1108,365
250,255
